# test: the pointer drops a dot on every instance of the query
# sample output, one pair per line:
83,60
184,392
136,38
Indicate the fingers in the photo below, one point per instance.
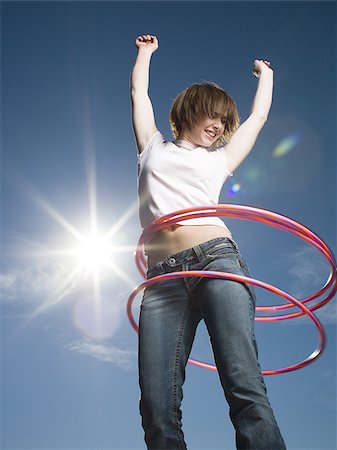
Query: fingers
263,60
147,38
258,66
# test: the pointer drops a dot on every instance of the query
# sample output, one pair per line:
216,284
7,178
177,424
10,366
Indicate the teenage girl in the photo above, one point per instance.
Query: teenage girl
187,172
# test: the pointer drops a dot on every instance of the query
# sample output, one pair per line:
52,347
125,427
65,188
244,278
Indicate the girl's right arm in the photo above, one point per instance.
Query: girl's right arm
143,120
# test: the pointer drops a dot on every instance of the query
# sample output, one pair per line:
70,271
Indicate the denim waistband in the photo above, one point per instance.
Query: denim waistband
193,254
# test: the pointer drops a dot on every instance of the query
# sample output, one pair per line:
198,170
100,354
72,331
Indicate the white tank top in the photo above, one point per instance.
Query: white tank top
175,175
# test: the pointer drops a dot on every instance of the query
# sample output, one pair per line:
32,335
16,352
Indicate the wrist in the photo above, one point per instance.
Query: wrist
266,70
145,51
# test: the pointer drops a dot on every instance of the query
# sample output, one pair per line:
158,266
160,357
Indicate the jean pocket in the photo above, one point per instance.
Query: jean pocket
222,250
225,261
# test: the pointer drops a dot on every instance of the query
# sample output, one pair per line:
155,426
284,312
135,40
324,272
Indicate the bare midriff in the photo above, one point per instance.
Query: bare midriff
176,238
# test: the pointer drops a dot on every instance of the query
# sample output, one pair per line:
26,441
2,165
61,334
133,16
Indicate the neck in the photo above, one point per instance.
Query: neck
185,143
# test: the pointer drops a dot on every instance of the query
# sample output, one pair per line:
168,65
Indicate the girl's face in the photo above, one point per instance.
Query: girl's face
205,133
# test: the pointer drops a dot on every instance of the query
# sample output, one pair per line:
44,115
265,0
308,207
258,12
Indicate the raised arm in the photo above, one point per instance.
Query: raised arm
243,140
143,120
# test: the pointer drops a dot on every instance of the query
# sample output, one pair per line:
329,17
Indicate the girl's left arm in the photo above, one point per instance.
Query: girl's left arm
243,140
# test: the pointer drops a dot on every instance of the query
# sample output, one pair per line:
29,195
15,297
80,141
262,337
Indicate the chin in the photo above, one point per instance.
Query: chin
207,143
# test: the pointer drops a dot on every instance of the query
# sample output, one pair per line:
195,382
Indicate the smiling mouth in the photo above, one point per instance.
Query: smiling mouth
210,134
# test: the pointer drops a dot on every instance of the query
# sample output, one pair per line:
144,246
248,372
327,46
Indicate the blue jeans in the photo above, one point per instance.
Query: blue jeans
169,316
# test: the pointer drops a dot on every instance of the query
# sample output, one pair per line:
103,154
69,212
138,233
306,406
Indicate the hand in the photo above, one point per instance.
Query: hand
147,41
259,66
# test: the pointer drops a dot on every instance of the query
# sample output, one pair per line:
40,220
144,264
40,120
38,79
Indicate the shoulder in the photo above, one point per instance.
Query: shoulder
155,140
222,151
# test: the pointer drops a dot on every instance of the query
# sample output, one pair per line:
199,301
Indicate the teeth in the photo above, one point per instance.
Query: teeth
210,133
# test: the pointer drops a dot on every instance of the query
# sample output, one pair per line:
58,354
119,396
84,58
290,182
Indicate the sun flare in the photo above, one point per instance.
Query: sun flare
94,253
88,255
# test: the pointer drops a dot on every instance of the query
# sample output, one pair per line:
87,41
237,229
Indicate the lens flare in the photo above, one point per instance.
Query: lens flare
97,322
233,190
286,145
253,174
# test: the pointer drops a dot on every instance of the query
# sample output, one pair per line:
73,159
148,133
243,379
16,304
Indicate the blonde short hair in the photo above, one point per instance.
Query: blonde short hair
201,100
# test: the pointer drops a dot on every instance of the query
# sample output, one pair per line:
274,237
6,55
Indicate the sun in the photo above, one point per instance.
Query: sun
84,256
94,253
83,253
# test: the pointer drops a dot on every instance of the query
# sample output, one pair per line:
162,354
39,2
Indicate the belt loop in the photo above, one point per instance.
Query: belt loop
158,267
198,251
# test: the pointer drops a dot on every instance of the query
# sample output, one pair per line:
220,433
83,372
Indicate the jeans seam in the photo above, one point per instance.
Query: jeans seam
175,377
211,257
186,267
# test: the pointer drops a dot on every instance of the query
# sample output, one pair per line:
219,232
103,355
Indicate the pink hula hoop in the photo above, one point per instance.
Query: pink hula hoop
257,215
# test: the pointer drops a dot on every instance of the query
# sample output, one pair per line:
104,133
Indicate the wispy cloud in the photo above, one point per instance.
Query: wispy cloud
31,272
38,280
308,272
41,275
328,313
111,354
307,267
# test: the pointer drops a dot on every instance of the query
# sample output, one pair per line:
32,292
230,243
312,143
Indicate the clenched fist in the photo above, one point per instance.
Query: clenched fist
147,41
259,66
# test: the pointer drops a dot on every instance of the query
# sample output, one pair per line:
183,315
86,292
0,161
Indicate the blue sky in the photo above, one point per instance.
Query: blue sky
69,376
